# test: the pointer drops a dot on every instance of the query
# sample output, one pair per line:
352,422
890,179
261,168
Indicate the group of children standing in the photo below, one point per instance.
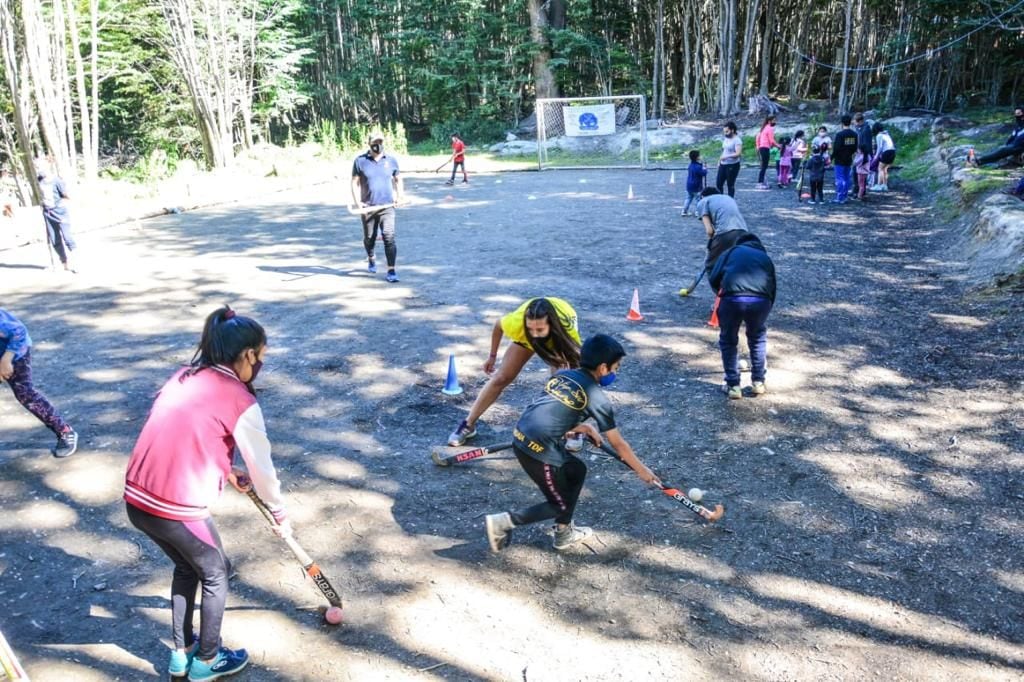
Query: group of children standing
860,156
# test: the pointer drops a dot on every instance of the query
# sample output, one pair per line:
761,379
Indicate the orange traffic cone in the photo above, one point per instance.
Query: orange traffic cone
634,308
629,194
713,322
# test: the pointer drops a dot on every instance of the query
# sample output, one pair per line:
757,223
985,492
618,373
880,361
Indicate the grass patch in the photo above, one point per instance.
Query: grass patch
971,188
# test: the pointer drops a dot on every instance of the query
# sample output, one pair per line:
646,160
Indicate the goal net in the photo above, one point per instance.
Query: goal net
592,132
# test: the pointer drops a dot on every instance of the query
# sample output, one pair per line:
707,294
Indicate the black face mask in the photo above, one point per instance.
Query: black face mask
376,147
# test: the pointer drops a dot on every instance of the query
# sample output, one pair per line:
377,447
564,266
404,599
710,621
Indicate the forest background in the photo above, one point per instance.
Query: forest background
133,87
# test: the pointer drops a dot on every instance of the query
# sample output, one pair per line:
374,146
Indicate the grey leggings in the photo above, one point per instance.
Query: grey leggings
195,561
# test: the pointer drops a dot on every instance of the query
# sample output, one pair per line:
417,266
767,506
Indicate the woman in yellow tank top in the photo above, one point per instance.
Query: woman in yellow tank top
546,326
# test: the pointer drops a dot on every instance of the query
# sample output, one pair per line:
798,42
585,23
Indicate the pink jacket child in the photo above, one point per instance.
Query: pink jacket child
785,161
178,469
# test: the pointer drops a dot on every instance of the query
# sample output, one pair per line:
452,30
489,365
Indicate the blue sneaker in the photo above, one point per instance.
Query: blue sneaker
392,277
182,661
226,662
371,267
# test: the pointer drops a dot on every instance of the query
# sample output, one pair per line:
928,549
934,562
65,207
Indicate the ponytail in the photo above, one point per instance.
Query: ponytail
226,336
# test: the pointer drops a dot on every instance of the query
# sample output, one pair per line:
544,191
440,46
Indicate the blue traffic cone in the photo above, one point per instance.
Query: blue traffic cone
451,384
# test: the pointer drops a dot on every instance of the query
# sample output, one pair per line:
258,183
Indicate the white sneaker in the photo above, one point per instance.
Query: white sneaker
571,535
499,530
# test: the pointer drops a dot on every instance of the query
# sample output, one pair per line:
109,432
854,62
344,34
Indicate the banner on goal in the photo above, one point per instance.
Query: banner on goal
592,132
584,120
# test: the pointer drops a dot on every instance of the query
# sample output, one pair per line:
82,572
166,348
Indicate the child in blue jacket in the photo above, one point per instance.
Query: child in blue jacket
16,370
695,175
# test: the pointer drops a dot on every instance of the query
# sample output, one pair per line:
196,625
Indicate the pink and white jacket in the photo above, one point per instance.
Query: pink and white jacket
183,456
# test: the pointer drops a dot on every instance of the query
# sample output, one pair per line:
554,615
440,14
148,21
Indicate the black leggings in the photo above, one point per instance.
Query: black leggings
195,560
765,154
383,222
561,487
818,190
727,174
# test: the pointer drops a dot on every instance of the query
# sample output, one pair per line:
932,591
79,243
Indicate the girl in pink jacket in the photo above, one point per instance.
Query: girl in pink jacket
179,466
765,141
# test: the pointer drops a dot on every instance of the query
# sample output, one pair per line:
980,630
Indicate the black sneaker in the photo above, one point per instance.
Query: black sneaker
449,182
67,444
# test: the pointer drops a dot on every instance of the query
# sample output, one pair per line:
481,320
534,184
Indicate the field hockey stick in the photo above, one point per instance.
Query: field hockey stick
308,565
675,494
49,244
363,210
696,280
9,664
445,456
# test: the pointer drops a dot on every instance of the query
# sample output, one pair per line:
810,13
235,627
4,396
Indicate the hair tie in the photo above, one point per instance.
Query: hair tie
229,314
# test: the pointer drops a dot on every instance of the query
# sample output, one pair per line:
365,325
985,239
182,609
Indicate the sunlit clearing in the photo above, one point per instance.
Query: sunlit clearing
869,479
1009,579
95,547
38,515
95,481
880,614
959,321
77,657
463,620
340,469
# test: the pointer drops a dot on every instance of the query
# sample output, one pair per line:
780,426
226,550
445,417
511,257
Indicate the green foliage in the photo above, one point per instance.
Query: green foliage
472,131
352,138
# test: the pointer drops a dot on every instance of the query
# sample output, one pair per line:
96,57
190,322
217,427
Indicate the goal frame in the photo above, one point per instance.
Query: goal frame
542,133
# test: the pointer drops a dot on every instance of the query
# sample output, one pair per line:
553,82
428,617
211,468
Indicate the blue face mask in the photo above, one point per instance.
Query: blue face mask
607,379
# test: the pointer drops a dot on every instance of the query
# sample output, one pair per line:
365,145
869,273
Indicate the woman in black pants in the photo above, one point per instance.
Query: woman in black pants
729,163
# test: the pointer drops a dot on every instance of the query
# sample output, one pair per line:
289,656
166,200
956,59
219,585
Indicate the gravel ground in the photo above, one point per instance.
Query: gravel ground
873,525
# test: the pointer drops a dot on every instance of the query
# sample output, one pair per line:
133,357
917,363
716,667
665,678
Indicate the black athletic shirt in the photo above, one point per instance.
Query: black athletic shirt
570,397
845,147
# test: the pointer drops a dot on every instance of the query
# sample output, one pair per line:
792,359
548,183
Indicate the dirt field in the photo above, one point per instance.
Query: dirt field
874,524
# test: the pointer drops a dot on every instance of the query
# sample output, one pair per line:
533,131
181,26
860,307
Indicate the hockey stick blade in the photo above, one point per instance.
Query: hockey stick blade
446,456
677,495
308,565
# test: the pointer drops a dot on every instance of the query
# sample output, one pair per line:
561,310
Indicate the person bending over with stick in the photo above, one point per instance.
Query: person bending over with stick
178,468
376,182
570,397
545,326
743,277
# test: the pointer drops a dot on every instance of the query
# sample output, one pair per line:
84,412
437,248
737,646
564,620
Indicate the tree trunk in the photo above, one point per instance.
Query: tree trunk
766,50
22,104
846,56
543,78
85,124
753,7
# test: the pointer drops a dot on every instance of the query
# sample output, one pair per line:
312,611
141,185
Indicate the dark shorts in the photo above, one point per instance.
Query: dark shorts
887,157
